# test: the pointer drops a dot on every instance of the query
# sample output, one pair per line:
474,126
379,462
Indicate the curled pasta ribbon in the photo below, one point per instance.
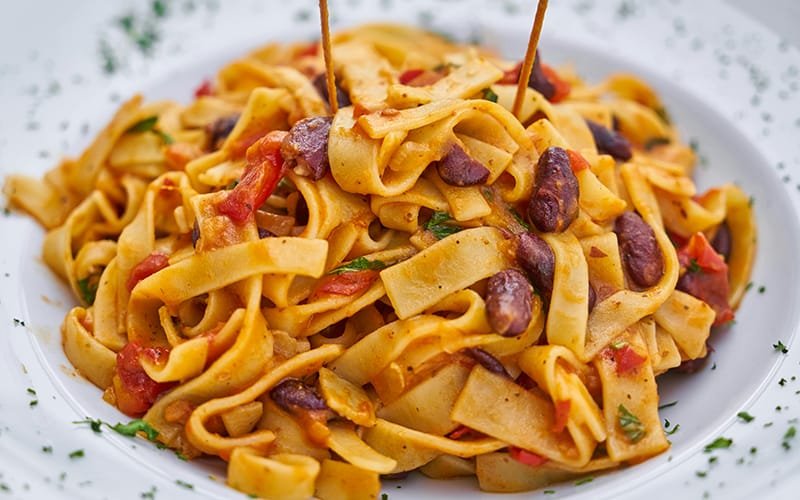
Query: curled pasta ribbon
546,365
484,129
209,442
625,307
283,475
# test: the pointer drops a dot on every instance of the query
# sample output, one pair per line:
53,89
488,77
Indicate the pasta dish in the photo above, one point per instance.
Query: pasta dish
422,281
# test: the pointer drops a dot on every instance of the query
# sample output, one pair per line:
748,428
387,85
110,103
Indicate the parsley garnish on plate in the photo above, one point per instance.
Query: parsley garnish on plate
780,347
87,287
631,425
188,486
745,416
721,443
143,125
439,225
135,426
359,264
788,436
76,454
93,424
668,405
693,267
489,95
584,480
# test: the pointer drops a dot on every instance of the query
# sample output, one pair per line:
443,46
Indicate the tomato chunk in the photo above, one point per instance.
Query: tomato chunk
151,264
576,161
134,390
626,359
409,74
526,457
706,276
349,283
264,170
562,415
562,86
204,89
511,76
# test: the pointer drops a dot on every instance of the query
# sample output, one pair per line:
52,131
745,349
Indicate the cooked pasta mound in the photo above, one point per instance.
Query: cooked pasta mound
422,281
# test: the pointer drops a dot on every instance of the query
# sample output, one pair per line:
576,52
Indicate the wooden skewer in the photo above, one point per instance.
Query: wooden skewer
330,77
530,55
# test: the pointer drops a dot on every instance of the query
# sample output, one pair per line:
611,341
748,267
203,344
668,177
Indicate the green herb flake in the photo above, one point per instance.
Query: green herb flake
31,391
780,347
359,264
745,416
748,287
33,403
712,460
782,382
489,95
701,473
232,184
144,125
619,344
762,289
76,454
673,430
693,267
47,449
134,427
630,424
181,456
150,494
549,492
655,142
109,59
384,496
188,486
662,113
439,225
5,488
668,405
721,443
519,219
159,8
87,288
165,137
584,481
753,450
791,432
93,424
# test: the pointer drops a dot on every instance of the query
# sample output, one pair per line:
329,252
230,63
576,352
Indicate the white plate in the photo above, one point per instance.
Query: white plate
730,84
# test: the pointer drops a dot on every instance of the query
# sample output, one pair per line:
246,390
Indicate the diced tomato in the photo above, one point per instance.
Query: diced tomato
562,415
626,359
409,74
526,457
134,390
576,161
706,276
177,155
204,89
349,283
264,170
151,264
460,432
511,76
311,50
562,86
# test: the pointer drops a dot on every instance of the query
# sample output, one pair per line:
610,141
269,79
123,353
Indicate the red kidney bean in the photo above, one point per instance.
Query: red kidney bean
723,241
321,84
554,201
508,302
538,80
536,257
610,142
291,394
487,361
219,130
305,148
639,249
457,168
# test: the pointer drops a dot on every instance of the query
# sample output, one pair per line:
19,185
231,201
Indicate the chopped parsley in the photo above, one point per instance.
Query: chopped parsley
188,486
149,495
76,454
384,496
519,219
489,95
745,416
788,436
782,382
655,142
31,391
662,113
165,137
693,267
47,449
673,430
93,424
762,289
701,473
439,225
721,443
549,492
584,480
630,424
668,405
780,347
134,427
87,287
144,125
359,264
712,460
18,322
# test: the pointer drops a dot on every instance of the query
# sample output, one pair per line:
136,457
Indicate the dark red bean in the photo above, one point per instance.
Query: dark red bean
486,360
639,249
554,202
610,142
195,234
536,257
292,394
305,149
457,168
538,80
508,302
321,84
219,130
723,241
